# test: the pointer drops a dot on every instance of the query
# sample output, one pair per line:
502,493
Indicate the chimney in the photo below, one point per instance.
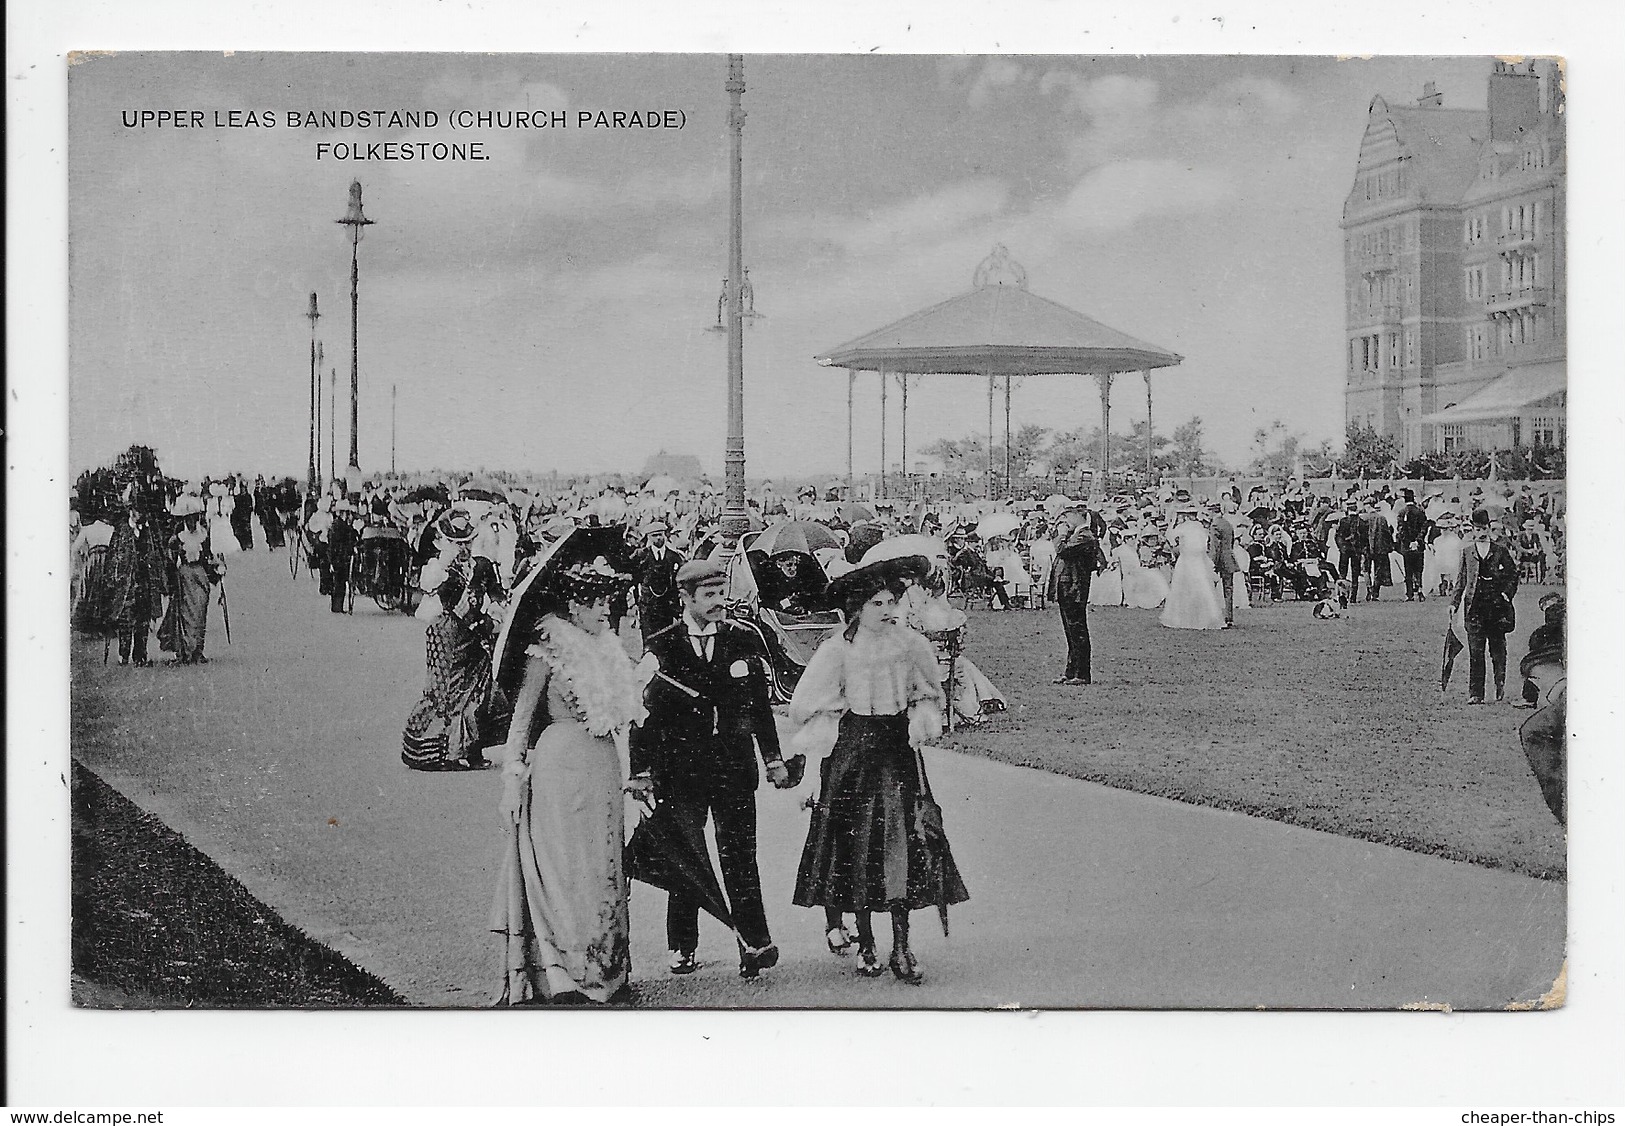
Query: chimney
1514,102
1431,98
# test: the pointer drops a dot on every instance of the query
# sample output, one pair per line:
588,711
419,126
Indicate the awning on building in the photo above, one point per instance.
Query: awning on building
1507,395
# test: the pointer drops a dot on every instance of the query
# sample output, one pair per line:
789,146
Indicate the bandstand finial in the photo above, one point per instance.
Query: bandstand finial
998,268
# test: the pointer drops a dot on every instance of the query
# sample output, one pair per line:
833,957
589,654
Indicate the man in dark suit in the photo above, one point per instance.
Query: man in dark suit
1412,527
1483,596
655,566
1379,547
1077,559
1353,537
709,716
1222,541
342,541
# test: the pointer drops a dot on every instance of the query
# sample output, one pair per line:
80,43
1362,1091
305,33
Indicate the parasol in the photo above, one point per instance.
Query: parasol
854,513
670,853
482,492
528,603
901,547
662,485
1263,514
426,493
998,525
801,536
1056,502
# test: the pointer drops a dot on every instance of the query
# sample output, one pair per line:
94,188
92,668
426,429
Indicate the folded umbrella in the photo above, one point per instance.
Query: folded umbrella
1452,646
671,855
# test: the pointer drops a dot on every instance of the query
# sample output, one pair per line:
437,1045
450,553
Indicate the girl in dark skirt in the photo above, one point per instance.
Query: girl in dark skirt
875,690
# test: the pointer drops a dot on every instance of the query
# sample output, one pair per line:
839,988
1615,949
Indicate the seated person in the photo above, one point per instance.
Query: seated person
975,574
1304,566
1003,557
790,583
1532,551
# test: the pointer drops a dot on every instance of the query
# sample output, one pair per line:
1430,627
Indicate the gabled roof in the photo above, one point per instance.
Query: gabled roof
1443,145
1003,329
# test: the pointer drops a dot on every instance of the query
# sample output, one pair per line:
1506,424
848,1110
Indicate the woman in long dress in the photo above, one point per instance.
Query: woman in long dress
1144,587
186,621
444,731
876,685
1193,596
927,610
561,905
218,510
1107,588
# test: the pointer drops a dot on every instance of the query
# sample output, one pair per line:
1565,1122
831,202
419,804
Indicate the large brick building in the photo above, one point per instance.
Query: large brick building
1454,269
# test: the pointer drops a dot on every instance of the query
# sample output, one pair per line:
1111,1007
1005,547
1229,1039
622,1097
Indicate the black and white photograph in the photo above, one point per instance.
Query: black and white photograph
820,532
682,534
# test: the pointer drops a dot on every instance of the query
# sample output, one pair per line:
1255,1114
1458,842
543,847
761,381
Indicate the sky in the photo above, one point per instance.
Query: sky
547,308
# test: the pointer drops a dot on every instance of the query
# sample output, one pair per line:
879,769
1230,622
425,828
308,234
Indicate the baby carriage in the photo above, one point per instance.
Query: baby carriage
384,570
790,614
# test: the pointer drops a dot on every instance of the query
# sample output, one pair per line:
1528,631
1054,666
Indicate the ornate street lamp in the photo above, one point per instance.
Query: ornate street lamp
357,222
735,521
310,475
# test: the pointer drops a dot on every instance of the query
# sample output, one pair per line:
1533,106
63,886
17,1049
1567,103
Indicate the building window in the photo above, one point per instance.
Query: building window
1393,351
1543,431
1410,347
1452,436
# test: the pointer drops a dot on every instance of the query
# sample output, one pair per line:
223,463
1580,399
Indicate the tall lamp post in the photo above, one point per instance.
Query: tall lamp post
735,521
310,475
357,222
392,430
316,390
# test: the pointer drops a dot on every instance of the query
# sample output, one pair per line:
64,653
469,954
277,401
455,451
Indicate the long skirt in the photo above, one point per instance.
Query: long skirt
866,849
187,619
561,899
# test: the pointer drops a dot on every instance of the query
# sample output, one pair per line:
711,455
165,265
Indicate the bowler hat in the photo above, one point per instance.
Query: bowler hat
1481,518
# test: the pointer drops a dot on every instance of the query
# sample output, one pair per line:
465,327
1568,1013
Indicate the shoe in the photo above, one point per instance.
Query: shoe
1522,703
1500,693
839,941
1057,680
1228,625
200,659
868,964
122,661
143,663
905,967
753,962
682,962
177,661
1475,699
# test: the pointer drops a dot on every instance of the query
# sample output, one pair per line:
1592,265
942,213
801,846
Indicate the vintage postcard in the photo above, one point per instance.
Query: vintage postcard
818,531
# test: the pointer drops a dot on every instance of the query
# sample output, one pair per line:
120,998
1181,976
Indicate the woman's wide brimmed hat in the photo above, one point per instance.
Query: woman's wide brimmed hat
589,582
863,583
188,505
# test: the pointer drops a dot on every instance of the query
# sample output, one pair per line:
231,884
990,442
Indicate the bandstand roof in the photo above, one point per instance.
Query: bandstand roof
998,328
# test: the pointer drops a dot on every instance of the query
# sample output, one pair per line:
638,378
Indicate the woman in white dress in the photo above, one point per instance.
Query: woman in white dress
1041,556
1443,556
926,610
1107,588
1144,588
219,518
1193,597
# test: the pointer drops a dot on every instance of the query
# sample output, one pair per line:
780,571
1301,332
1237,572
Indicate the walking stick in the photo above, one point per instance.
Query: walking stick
225,610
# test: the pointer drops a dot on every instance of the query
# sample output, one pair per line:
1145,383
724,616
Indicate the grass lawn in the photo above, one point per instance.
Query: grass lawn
156,924
1337,726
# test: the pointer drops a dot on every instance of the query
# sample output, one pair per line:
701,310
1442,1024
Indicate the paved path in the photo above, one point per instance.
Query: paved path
281,761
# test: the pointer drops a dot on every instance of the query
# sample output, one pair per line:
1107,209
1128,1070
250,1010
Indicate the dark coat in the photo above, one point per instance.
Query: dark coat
1413,527
1078,559
1380,541
1488,599
706,744
1222,543
133,578
1353,536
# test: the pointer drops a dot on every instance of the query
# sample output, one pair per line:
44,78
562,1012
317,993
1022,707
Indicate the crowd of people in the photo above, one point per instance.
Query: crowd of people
842,610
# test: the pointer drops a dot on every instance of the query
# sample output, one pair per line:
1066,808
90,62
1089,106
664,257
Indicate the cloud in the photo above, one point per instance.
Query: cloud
1116,196
1108,95
998,75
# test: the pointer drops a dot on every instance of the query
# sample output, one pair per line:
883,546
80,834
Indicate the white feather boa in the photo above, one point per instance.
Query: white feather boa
596,676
